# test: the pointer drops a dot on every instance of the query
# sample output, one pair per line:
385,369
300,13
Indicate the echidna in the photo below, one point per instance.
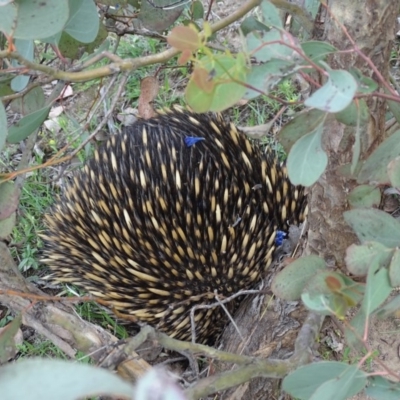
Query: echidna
168,213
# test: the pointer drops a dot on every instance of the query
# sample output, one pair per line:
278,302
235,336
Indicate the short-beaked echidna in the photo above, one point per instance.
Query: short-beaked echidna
168,213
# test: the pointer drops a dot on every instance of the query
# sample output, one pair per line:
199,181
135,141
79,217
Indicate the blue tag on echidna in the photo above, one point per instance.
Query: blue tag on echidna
191,140
280,235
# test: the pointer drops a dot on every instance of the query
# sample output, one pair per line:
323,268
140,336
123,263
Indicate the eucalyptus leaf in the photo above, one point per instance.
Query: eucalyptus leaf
26,125
377,290
307,160
372,225
289,283
364,196
304,122
304,381
41,379
34,20
336,94
374,169
3,126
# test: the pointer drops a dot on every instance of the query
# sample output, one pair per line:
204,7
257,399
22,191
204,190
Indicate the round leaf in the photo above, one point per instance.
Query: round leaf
29,20
358,258
372,225
289,283
364,196
337,93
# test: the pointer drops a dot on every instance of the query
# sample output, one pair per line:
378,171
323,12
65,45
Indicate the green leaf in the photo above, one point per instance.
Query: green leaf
159,19
289,283
30,102
197,10
381,388
372,225
226,72
266,76
25,48
353,336
260,46
39,379
9,199
73,49
3,126
364,196
83,23
6,227
318,303
377,290
394,269
7,342
316,50
337,93
358,258
365,84
252,24
374,169
355,114
327,293
390,308
305,122
270,15
32,20
304,381
350,382
307,160
26,125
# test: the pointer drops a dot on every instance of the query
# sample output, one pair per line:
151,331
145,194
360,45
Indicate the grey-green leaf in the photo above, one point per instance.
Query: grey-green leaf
265,76
25,48
258,43
336,94
394,269
3,126
307,160
374,169
355,114
26,125
289,283
364,196
34,20
358,258
372,225
83,23
270,15
304,381
305,122
381,388
377,290
350,382
316,50
46,379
